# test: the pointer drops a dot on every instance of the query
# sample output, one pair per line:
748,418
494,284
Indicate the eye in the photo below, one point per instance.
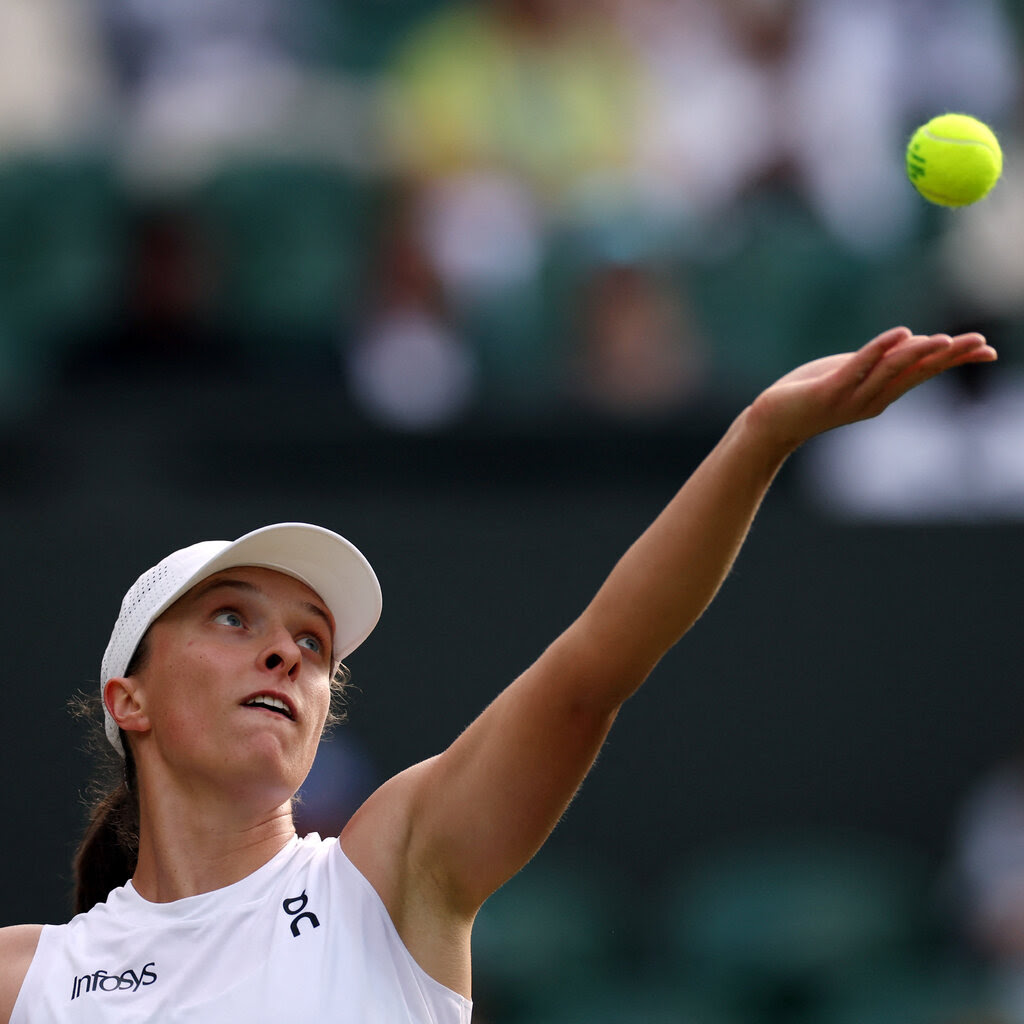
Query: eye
314,643
229,618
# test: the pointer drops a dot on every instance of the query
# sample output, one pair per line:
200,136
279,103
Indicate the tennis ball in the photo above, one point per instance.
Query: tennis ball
954,160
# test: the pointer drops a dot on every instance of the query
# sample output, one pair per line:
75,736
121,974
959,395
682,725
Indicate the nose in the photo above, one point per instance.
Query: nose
283,655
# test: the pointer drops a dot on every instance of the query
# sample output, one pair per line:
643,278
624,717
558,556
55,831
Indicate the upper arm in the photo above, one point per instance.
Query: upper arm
451,830
494,796
436,840
17,947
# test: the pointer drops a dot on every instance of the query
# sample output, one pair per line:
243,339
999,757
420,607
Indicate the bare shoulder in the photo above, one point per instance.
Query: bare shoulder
17,947
376,838
379,841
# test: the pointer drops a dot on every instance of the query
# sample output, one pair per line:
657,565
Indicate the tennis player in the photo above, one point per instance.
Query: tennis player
216,685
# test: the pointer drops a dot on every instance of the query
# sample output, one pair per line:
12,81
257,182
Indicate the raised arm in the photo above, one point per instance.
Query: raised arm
461,824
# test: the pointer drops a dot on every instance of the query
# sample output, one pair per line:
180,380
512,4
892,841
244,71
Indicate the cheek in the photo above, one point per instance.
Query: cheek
323,704
184,698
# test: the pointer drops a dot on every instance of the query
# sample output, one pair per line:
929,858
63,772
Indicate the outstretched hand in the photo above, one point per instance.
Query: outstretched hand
840,389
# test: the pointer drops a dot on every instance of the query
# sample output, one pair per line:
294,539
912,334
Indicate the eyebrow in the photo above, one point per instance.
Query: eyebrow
202,589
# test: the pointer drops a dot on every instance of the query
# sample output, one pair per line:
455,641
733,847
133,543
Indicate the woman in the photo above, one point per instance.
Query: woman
217,682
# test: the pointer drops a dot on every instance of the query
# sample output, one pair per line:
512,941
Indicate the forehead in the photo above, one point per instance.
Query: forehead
263,583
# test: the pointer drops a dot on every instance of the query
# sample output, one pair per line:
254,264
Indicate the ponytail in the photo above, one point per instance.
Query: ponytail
109,849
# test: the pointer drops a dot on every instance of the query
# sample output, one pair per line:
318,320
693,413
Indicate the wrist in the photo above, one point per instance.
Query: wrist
764,436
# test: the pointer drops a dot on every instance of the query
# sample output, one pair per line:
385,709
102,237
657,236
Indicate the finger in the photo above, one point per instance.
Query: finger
964,348
973,348
970,338
870,354
949,352
885,340
912,351
866,361
903,368
965,343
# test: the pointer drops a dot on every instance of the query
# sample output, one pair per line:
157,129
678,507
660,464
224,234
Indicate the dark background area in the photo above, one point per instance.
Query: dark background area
859,676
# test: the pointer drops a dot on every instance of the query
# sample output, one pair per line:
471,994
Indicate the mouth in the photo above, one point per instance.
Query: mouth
271,702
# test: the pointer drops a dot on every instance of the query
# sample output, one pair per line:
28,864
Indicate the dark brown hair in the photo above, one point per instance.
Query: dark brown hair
109,849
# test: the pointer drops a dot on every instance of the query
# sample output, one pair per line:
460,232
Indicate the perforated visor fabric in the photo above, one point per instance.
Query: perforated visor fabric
152,593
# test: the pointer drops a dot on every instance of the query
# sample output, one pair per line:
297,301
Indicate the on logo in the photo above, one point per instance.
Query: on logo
296,907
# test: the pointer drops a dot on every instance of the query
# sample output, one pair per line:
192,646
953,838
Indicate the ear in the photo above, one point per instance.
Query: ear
122,699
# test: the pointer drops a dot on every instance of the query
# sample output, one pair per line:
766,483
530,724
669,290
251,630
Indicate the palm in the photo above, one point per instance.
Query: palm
816,369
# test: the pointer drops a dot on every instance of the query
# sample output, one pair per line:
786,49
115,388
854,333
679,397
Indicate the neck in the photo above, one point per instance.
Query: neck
189,846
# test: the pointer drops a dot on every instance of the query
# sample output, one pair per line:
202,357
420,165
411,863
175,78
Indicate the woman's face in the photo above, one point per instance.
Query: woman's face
236,685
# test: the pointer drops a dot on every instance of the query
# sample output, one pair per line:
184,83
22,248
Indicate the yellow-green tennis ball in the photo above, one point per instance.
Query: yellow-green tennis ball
954,160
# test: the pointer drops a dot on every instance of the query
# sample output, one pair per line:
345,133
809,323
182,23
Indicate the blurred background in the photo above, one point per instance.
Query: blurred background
477,285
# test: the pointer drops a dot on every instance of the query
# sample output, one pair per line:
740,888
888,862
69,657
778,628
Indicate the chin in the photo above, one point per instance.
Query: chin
263,770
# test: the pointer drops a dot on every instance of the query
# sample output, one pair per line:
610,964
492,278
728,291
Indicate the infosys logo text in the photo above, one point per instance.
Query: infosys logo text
126,981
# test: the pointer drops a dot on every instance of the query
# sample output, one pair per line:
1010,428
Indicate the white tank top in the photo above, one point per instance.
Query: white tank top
305,937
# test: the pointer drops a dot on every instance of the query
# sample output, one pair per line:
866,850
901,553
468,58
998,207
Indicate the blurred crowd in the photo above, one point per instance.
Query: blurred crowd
634,209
